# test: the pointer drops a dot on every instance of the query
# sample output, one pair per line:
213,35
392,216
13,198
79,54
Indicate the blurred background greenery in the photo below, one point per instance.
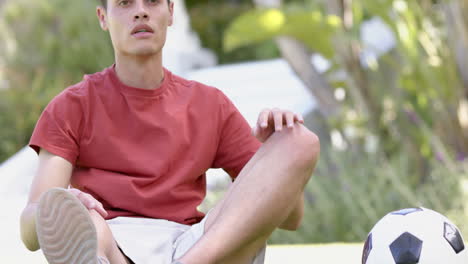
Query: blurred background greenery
394,128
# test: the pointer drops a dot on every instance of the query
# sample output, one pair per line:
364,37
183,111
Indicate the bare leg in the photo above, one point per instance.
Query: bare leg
261,198
107,247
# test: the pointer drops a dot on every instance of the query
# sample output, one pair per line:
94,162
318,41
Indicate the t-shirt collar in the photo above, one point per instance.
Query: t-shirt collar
134,91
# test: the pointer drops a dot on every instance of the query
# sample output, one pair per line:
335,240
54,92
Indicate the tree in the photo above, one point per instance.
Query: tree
399,78
402,116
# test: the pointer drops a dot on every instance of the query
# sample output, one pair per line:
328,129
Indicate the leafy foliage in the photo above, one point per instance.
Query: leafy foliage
211,19
344,202
258,25
47,45
399,139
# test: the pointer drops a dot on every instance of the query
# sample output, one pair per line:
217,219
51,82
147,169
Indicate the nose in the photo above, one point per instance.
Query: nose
141,12
141,15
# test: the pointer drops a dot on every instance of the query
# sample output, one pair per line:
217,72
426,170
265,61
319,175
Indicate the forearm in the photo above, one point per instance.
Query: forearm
28,227
294,219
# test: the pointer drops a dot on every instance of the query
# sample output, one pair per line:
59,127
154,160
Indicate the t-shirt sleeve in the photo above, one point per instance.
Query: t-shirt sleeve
236,145
59,126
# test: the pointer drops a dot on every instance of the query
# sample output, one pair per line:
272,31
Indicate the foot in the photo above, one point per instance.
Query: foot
65,230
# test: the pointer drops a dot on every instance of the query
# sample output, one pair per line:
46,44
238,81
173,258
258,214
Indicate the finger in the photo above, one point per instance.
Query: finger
88,200
100,209
298,118
96,205
255,131
289,116
74,191
278,119
263,118
81,196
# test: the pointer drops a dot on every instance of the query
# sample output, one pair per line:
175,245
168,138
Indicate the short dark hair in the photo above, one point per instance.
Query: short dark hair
104,3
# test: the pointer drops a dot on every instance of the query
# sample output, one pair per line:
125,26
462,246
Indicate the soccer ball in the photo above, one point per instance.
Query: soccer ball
414,235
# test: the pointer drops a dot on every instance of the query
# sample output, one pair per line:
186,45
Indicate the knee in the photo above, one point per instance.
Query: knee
304,146
310,143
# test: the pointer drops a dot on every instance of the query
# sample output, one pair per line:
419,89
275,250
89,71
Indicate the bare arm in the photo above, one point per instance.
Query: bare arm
53,171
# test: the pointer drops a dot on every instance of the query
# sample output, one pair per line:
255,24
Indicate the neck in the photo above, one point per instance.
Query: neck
140,72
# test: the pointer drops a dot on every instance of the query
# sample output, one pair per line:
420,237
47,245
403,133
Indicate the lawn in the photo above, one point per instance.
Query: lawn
278,254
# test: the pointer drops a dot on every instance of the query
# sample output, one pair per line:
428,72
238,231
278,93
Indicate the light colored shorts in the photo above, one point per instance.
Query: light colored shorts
156,241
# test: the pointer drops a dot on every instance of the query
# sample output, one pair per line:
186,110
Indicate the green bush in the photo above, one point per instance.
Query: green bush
348,194
345,201
408,102
47,46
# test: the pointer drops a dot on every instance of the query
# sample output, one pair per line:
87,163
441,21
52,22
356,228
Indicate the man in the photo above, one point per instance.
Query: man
134,141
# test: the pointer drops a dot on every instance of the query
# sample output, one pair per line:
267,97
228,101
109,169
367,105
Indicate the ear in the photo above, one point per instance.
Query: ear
171,11
102,16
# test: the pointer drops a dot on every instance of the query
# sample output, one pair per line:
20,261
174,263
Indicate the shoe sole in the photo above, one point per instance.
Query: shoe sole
65,230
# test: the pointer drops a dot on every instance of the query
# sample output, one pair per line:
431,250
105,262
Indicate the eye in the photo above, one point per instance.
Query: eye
153,1
124,3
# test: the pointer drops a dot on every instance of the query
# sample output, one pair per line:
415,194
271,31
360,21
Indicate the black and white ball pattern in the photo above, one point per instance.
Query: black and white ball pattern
414,236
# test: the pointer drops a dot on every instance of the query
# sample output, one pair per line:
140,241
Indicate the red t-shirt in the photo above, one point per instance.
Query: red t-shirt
144,153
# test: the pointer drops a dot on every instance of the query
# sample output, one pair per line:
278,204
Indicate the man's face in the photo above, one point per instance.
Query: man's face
137,27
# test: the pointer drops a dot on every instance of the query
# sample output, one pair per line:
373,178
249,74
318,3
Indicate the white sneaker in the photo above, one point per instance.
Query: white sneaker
65,231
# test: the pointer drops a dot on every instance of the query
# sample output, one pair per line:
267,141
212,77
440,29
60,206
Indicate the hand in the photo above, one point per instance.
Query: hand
89,201
272,120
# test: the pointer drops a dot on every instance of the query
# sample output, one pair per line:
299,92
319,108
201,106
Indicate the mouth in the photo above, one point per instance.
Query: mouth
143,28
